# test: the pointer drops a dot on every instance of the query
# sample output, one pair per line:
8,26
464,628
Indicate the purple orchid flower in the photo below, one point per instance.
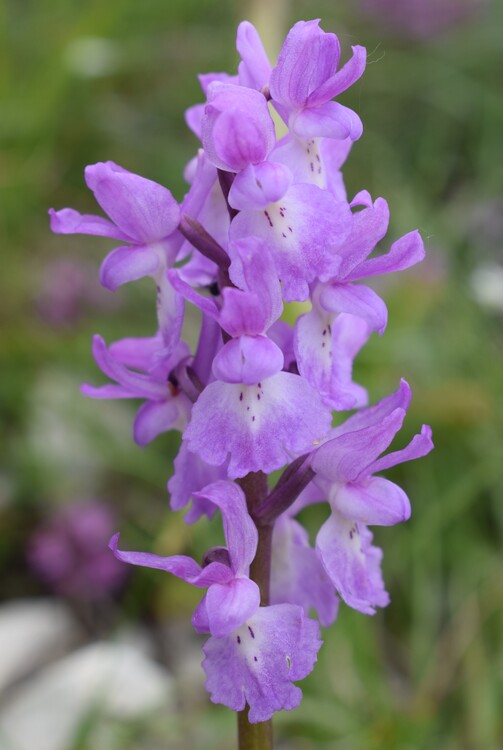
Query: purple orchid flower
232,598
297,574
257,664
344,313
326,344
294,221
142,214
166,407
255,653
345,465
306,79
236,129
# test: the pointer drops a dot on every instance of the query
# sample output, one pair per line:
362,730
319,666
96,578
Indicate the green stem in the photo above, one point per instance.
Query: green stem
253,736
257,736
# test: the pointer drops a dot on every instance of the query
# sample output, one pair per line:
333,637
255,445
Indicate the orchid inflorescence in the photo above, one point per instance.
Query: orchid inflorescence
264,222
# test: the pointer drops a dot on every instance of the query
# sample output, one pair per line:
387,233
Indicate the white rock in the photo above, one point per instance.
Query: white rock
487,286
114,679
32,631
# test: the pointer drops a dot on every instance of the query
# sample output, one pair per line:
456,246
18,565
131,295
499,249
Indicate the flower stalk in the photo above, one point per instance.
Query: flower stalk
257,736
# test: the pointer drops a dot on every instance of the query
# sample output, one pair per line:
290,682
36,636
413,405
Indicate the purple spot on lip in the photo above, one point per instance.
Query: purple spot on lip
241,396
255,658
251,632
238,639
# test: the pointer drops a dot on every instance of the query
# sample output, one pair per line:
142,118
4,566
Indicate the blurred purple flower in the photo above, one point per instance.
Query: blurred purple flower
70,552
420,18
67,291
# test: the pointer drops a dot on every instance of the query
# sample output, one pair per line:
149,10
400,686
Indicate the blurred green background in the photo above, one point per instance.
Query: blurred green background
89,81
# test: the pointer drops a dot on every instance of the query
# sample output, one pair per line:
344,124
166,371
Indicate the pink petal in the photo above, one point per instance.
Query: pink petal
369,227
404,253
180,566
342,80
419,446
374,502
68,221
375,414
229,605
307,58
155,417
191,474
241,535
297,575
254,68
237,128
262,427
143,386
352,564
126,264
248,360
141,208
193,118
258,185
170,313
207,305
242,313
347,457
325,347
253,269
258,662
329,120
138,353
357,300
